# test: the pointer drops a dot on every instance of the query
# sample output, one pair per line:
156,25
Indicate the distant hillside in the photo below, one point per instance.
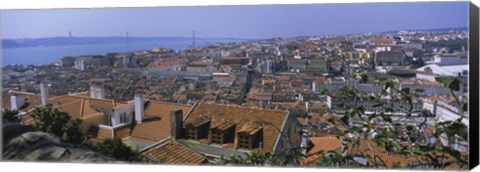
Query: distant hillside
62,41
438,30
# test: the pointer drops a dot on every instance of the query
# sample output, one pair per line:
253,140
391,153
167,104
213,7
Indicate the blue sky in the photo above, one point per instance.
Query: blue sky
234,21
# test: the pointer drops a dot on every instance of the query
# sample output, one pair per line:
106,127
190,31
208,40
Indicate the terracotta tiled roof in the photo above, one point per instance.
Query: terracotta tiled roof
331,143
325,144
199,121
389,158
81,107
250,128
224,125
172,152
96,133
251,105
211,97
320,105
260,95
156,124
122,132
314,118
268,120
328,143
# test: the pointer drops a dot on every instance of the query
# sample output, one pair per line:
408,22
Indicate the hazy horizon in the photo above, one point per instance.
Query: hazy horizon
240,22
186,37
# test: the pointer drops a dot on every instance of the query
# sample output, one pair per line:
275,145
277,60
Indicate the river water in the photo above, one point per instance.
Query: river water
48,55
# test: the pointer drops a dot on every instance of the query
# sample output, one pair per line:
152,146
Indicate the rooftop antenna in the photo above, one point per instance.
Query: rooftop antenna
127,37
193,33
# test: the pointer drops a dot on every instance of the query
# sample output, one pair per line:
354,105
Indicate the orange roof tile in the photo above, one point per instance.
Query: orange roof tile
390,159
269,120
156,124
81,107
325,143
224,125
172,152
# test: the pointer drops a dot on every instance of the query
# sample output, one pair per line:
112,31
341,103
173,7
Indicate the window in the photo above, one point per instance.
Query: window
223,133
217,136
123,117
198,128
244,141
191,133
108,120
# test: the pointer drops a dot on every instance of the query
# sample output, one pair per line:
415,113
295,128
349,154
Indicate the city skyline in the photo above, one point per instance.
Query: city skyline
338,86
247,22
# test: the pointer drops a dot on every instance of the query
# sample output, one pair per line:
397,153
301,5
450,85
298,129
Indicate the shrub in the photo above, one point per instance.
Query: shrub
114,147
52,120
10,115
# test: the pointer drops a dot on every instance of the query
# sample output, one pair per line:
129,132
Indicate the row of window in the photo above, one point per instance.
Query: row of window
217,136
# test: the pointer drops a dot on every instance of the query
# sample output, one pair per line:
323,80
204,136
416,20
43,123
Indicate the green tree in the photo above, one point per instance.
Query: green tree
114,147
10,115
284,158
50,120
54,121
399,138
71,131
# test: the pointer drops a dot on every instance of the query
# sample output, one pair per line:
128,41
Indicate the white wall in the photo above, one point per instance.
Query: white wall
425,77
445,112
16,102
129,109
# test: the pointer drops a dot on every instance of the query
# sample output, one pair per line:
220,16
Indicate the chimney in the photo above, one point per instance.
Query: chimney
139,108
96,91
16,102
304,142
44,93
176,123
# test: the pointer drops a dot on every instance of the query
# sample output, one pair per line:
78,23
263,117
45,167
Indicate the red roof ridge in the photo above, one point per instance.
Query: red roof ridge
22,92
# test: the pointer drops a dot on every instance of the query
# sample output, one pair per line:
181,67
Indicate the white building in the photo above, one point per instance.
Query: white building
450,70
